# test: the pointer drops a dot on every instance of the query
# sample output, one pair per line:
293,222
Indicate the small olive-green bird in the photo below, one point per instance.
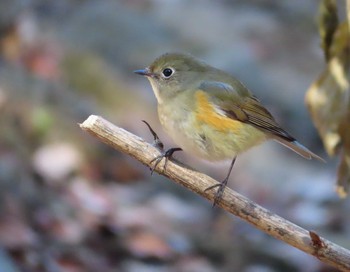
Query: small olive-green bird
211,114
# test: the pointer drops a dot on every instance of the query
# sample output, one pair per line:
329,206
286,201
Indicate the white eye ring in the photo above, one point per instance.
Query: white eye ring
167,72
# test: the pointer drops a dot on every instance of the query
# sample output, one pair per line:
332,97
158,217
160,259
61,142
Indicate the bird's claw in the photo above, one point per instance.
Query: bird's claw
167,155
218,195
159,145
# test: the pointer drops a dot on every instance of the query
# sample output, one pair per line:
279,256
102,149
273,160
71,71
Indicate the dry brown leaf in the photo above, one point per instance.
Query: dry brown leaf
325,100
328,98
328,22
343,177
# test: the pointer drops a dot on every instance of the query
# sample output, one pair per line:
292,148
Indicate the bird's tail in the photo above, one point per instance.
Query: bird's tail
298,148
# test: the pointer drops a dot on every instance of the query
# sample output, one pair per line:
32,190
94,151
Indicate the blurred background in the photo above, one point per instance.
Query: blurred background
70,203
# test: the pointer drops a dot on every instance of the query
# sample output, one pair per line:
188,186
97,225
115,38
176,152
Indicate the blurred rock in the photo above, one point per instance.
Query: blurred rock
54,162
92,198
177,210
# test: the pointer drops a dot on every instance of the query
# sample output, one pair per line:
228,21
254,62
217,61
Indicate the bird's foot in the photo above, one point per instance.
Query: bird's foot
167,155
159,145
218,195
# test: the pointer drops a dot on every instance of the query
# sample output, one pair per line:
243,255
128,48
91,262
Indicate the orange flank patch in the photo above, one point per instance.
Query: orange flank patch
206,114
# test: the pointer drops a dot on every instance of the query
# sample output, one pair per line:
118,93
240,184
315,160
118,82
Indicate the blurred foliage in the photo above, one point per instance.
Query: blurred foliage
89,74
328,98
70,203
328,22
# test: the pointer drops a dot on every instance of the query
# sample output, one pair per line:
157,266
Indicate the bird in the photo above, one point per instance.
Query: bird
211,114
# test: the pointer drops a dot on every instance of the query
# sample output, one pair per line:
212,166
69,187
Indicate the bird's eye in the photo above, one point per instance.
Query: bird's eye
167,72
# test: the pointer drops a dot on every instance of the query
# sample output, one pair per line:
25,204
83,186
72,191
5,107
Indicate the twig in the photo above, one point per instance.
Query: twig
261,218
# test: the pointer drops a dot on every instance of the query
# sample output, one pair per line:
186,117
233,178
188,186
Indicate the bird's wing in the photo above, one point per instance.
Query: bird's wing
238,104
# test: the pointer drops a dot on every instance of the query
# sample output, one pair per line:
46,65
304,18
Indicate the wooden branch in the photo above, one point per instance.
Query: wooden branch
272,224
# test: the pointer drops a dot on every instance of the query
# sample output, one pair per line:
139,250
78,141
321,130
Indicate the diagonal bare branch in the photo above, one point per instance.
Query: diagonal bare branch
270,223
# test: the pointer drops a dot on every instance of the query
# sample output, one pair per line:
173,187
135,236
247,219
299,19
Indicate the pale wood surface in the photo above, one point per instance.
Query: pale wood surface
232,201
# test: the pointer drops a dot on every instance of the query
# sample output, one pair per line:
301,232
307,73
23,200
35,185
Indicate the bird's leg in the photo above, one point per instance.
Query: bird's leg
167,154
156,141
221,185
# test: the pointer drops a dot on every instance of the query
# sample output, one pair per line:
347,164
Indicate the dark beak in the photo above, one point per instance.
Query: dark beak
144,72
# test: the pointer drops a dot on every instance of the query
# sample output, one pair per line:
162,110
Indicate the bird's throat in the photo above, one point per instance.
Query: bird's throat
155,88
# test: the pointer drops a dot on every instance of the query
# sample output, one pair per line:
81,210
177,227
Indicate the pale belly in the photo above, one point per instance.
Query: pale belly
207,141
